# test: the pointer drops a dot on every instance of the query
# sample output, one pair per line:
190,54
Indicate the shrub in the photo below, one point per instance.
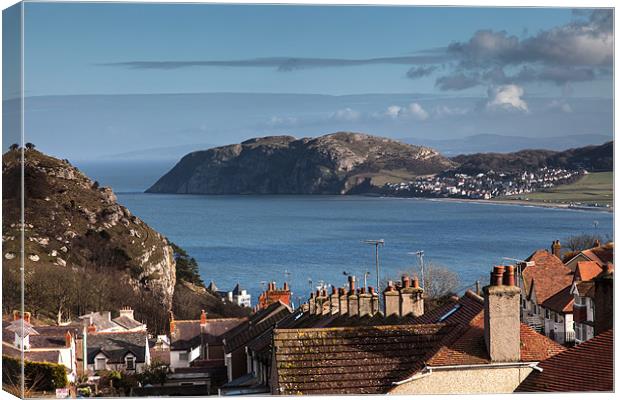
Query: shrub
41,375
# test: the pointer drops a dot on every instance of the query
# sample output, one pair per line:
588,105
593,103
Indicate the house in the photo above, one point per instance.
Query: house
241,296
273,295
54,344
546,302
238,295
238,358
102,321
469,345
600,254
116,351
582,291
587,367
199,340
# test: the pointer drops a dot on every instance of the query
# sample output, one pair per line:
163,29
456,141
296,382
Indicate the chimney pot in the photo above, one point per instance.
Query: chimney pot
68,339
416,283
597,243
92,328
333,290
406,281
351,284
285,287
497,275
556,248
509,276
203,317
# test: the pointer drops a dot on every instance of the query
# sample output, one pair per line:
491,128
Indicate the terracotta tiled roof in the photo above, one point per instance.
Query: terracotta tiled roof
470,348
601,254
547,277
587,367
587,270
353,360
561,302
186,333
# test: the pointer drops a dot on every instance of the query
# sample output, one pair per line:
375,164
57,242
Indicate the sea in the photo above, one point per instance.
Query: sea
315,240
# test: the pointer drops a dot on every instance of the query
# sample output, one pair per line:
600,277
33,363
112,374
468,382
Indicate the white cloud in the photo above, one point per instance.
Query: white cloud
417,112
506,97
412,111
346,115
282,122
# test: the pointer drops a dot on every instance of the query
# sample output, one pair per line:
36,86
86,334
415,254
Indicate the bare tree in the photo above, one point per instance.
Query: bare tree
439,281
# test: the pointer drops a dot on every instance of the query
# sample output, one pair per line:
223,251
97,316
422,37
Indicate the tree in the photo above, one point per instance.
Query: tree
582,242
439,281
30,146
14,147
154,374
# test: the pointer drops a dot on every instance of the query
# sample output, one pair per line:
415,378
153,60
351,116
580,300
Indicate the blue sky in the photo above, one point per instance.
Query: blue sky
432,72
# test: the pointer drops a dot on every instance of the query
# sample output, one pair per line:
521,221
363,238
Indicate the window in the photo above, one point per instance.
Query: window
580,301
183,356
130,362
547,314
100,363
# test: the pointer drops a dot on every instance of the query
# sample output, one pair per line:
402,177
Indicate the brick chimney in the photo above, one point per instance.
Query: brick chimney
352,299
172,323
18,315
556,247
92,328
127,312
502,330
597,243
319,302
391,301
365,300
342,298
326,310
334,302
411,298
374,301
311,303
203,318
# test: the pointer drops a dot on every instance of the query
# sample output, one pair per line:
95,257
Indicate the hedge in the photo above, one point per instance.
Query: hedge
50,375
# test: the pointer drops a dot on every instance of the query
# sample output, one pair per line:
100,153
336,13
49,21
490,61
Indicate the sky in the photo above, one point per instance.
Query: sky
110,78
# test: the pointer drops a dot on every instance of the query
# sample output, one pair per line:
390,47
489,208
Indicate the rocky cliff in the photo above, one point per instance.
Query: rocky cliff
73,223
332,164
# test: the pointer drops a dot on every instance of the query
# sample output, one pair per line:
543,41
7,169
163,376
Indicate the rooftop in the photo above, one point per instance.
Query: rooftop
187,333
546,277
587,367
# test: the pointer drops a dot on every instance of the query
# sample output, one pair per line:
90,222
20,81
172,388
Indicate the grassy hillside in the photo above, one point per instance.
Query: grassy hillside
592,188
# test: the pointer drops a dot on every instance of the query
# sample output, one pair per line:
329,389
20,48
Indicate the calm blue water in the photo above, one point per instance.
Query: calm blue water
250,239
257,238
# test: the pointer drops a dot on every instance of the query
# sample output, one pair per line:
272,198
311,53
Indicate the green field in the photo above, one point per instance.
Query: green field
594,188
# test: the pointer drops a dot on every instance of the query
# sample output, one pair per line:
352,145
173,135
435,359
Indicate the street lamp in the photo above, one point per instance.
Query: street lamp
376,243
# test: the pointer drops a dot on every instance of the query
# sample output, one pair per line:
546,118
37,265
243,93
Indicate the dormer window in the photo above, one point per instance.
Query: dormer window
130,362
100,363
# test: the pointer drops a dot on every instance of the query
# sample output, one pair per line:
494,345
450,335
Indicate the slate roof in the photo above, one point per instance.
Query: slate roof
127,322
41,337
186,333
115,345
587,367
547,277
353,360
256,325
236,290
101,320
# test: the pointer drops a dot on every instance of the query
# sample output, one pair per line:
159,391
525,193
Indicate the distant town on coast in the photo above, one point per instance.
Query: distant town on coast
264,200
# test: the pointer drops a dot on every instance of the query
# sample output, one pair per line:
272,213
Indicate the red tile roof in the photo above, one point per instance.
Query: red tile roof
470,348
587,367
601,254
547,277
187,332
587,270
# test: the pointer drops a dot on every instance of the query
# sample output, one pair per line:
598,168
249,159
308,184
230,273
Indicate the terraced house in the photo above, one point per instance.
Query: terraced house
470,345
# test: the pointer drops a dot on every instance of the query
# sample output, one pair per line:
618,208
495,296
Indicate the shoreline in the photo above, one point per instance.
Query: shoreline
523,203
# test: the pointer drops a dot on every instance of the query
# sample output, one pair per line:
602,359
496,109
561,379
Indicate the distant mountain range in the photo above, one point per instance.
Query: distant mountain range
485,143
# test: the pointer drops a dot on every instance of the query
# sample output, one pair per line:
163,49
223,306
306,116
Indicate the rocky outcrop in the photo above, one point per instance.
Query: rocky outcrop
332,164
71,222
